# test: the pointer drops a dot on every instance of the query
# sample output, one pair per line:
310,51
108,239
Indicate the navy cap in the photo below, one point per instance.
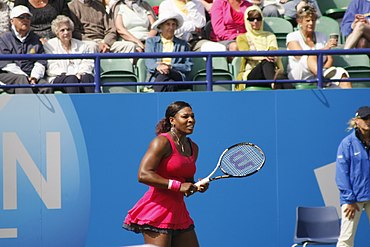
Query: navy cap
363,112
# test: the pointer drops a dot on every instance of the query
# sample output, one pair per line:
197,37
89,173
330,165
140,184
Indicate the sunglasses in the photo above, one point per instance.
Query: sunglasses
22,17
366,118
306,9
251,19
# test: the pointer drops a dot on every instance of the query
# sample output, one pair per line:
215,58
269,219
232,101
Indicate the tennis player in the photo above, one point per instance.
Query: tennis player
168,167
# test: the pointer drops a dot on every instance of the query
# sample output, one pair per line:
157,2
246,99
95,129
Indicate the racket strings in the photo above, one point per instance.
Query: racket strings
242,160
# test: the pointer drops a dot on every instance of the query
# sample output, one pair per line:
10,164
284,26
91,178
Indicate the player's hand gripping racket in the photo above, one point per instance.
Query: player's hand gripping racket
239,160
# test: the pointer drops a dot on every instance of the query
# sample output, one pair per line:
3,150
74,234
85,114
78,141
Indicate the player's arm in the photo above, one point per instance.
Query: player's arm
158,149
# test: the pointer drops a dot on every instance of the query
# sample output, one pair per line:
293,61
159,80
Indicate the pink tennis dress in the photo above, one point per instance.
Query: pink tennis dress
163,208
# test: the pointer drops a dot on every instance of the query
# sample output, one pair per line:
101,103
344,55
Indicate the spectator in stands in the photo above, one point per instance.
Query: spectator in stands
291,7
273,8
306,38
167,69
22,40
61,71
193,14
4,17
355,25
255,39
95,27
353,175
43,13
133,20
227,17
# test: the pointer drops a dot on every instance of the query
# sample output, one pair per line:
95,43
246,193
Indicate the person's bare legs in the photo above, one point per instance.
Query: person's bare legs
312,64
185,239
157,239
345,84
361,30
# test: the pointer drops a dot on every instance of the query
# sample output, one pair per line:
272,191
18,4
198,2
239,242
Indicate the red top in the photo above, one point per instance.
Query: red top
163,208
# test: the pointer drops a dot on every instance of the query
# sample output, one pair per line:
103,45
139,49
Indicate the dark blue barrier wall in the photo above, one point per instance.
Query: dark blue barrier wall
69,164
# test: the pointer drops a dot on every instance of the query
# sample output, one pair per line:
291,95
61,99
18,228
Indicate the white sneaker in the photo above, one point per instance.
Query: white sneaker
330,72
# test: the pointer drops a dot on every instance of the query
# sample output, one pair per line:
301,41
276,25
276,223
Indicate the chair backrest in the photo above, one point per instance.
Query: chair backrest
220,71
357,65
118,70
341,4
154,2
328,26
333,8
141,70
351,60
280,27
116,65
317,224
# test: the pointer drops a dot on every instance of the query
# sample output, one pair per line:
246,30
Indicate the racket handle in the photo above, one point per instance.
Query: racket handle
202,182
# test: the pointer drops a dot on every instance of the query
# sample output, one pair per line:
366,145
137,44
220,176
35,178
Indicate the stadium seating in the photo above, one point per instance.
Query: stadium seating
333,8
358,66
280,27
316,225
118,70
328,26
220,72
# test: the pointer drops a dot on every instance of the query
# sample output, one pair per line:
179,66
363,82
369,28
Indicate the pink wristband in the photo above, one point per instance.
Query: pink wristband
174,185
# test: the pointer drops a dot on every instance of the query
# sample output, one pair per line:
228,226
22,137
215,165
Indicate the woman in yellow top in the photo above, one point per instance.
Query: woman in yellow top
255,39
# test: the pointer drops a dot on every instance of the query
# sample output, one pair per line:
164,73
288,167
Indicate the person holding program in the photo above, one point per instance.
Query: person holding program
168,167
353,175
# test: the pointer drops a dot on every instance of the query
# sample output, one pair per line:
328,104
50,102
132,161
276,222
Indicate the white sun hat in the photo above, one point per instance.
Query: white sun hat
165,16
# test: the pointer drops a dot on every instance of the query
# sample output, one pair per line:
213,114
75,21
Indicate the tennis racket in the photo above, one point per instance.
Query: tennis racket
240,160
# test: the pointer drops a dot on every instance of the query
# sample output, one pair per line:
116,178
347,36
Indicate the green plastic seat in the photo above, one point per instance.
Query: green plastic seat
328,26
154,2
118,70
357,65
280,27
333,8
220,72
256,88
305,86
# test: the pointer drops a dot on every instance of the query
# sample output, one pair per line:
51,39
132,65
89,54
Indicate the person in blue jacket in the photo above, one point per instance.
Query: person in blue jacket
353,175
355,25
168,68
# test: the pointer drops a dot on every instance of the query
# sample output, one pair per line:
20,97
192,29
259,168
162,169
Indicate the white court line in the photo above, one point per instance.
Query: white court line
8,232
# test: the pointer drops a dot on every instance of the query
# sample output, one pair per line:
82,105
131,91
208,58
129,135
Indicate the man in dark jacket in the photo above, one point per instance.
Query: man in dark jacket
21,40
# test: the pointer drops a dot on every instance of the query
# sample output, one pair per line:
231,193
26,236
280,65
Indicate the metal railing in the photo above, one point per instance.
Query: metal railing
209,82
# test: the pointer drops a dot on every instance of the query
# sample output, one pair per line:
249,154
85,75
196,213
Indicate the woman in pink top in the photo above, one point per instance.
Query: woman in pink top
227,18
168,167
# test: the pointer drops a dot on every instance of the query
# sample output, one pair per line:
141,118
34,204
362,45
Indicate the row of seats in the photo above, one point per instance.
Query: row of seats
122,70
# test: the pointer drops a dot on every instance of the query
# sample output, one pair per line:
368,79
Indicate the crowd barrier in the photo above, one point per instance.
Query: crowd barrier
209,82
